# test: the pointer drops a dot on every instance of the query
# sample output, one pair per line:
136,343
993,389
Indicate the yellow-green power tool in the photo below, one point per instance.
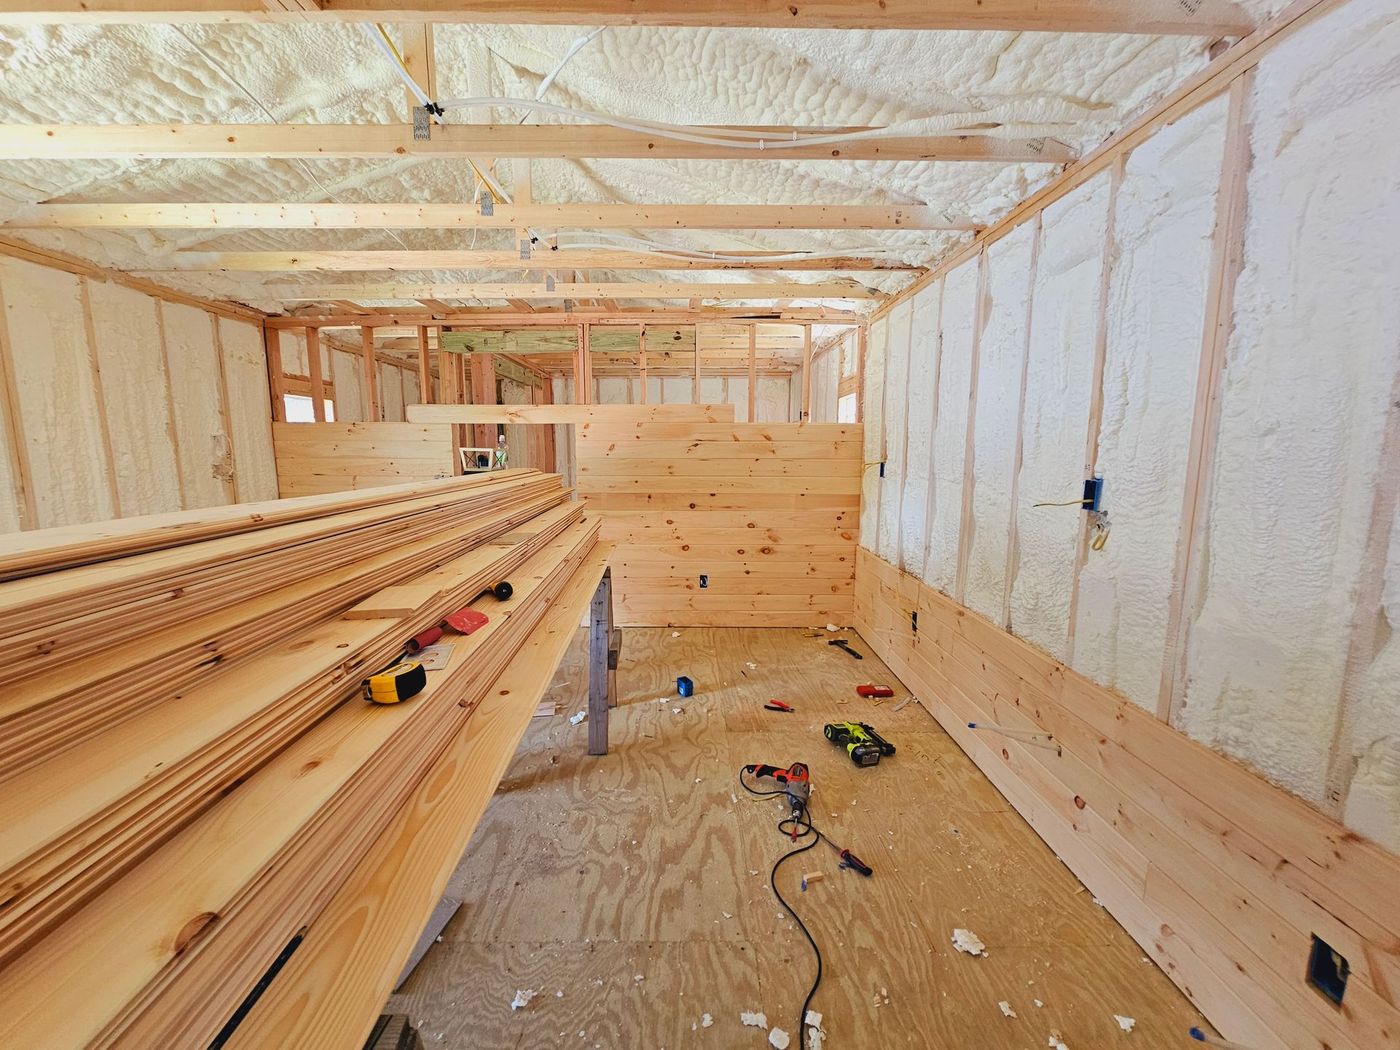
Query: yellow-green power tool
865,746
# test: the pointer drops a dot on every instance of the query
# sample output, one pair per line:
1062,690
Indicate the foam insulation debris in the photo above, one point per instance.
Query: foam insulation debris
522,998
969,942
751,1019
779,1039
1125,1023
1005,1009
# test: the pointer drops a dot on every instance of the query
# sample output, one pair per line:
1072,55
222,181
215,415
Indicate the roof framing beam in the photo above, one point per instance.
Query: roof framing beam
451,259
494,319
501,216
1204,18
557,141
620,290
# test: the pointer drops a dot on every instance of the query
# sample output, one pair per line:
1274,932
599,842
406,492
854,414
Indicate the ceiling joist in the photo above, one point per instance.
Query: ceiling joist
556,141
1198,18
573,259
501,216
627,290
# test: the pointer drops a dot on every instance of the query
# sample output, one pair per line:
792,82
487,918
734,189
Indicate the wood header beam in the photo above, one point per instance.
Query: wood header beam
502,217
555,141
495,320
1205,18
617,290
580,258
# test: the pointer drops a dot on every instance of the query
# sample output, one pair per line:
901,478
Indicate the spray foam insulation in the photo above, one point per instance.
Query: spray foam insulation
1164,218
245,381
923,386
206,454
53,366
1309,380
1074,87
1059,377
1001,354
896,411
873,432
140,426
348,373
950,426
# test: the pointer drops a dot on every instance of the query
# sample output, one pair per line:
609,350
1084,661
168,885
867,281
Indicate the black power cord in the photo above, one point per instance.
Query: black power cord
798,826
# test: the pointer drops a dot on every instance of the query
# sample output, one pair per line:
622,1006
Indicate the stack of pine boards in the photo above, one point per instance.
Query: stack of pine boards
190,785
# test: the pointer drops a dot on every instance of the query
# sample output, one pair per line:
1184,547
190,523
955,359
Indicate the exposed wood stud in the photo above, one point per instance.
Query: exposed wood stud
368,361
806,416
316,293
1013,539
981,317
104,428
14,425
1091,440
425,371
695,383
935,394
313,371
230,475
642,362
862,344
753,373
173,434
272,350
1227,259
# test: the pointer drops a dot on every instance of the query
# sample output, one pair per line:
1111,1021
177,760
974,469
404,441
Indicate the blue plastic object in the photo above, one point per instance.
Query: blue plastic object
685,686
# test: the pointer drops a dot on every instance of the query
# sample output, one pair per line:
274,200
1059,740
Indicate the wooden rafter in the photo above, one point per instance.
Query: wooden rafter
451,259
500,217
492,319
619,290
307,141
1201,18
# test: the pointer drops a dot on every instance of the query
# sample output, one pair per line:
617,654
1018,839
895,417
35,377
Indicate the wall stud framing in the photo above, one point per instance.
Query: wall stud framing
373,408
806,416
99,398
642,362
980,315
230,477
1091,441
313,372
1013,536
753,373
425,367
172,434
937,388
18,450
1227,259
272,352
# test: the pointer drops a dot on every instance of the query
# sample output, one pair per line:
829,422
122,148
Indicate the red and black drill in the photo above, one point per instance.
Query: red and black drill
794,782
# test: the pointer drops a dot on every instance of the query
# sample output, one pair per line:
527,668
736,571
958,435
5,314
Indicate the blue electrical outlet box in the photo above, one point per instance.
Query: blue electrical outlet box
1093,494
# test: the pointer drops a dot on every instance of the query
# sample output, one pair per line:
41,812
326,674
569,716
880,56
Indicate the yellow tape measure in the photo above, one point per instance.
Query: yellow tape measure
396,684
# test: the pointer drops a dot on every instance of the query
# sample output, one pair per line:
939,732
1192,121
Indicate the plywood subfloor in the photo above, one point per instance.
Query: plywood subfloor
637,884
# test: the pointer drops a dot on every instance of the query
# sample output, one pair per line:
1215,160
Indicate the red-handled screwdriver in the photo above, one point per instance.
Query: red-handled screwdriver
850,860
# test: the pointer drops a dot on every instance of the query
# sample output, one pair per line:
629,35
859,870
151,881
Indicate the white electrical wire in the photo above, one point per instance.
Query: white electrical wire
733,139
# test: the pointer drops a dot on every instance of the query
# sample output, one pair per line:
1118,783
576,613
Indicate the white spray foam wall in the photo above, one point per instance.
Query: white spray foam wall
1309,373
675,390
58,403
1372,744
1059,373
1163,225
348,370
250,419
390,394
772,399
613,390
133,391
199,427
1001,355
922,389
896,412
736,392
873,431
950,424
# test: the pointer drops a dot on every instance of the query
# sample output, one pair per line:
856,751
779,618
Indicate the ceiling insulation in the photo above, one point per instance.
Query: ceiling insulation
1075,88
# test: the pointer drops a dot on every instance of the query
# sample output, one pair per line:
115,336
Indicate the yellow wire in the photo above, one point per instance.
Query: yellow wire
398,57
1066,503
